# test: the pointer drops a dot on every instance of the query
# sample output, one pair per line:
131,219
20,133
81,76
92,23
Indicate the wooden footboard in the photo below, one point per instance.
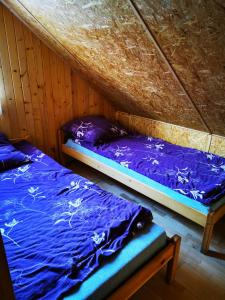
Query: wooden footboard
19,139
167,256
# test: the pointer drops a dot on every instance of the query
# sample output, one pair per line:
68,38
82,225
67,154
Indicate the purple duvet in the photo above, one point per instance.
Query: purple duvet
196,174
59,227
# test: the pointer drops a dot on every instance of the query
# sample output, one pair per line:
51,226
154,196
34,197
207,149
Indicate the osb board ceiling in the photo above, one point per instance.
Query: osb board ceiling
192,36
173,72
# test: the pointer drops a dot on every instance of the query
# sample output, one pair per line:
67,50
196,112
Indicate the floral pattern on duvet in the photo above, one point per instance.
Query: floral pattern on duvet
58,227
196,174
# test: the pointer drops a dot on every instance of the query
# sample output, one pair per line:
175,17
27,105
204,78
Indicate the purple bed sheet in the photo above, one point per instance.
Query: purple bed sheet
194,173
59,227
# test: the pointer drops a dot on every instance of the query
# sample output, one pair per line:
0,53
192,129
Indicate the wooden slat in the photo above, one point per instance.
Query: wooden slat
7,76
4,117
49,102
33,86
68,103
61,91
81,92
95,102
55,95
40,92
25,84
14,64
88,100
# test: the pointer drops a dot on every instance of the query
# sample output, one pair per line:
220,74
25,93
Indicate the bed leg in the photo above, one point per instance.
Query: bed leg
62,157
207,235
172,264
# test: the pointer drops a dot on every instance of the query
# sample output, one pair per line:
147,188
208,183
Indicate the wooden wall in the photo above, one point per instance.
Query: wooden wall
87,100
38,90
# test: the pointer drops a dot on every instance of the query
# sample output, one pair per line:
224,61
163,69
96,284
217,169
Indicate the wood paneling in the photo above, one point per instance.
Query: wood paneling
38,90
174,134
89,101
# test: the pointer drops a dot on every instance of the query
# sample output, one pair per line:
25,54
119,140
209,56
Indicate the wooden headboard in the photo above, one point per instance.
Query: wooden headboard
19,139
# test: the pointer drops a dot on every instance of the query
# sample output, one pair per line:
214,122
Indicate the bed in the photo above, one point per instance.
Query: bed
65,215
115,158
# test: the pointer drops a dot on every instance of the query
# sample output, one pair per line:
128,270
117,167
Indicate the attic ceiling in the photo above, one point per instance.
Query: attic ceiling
160,59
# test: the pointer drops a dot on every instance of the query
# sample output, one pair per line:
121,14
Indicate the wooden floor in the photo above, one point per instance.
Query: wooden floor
199,277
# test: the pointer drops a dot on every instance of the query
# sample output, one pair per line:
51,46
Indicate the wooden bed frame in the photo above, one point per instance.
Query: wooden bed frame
206,221
166,256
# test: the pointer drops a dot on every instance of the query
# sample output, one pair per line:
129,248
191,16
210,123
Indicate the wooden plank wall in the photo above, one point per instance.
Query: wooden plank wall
89,101
178,135
38,90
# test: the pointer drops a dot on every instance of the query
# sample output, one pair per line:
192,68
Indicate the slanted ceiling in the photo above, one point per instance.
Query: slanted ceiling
160,59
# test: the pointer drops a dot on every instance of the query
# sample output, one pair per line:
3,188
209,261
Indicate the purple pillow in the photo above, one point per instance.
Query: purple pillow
93,129
10,157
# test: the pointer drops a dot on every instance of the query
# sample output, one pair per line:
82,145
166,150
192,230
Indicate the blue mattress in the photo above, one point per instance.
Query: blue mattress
203,209
118,269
